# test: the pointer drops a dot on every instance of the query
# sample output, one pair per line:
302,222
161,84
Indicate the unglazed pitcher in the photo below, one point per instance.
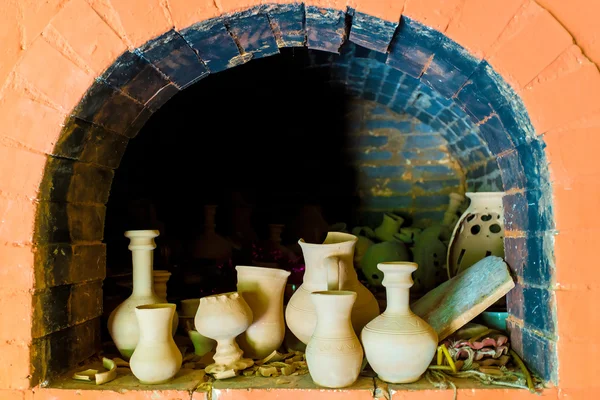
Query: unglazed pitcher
329,266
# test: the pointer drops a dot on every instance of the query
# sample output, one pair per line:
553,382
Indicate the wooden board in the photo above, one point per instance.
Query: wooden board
457,301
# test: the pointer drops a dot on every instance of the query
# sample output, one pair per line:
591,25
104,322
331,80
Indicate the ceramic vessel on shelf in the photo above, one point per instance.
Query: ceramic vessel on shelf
122,322
365,236
478,233
429,253
210,245
390,225
161,277
262,288
156,358
391,250
329,266
223,317
399,345
334,354
202,344
495,319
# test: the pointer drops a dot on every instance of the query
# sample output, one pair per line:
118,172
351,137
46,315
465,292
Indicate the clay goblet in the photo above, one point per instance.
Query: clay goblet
223,317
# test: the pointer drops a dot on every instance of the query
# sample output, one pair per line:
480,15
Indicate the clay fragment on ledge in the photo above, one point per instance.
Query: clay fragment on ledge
457,301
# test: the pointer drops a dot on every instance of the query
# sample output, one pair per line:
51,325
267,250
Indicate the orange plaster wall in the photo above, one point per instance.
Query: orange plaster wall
52,50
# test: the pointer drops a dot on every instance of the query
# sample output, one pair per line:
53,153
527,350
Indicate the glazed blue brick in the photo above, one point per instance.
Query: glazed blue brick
373,124
162,96
433,172
409,51
325,28
400,101
373,155
369,95
533,160
425,155
529,211
469,140
514,305
389,89
539,353
515,120
446,116
253,35
287,21
383,99
135,76
432,201
393,75
107,107
460,127
172,55
213,43
423,128
373,84
139,121
476,173
384,171
371,32
513,176
475,155
528,258
437,186
496,137
451,65
400,186
371,141
424,117
388,203
424,141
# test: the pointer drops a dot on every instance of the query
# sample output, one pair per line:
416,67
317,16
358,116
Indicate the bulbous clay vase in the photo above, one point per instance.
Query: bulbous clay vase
329,266
156,358
398,344
222,317
161,277
122,322
334,354
262,288
478,233
390,225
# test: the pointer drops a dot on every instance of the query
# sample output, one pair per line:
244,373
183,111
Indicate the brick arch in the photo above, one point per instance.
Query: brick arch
36,100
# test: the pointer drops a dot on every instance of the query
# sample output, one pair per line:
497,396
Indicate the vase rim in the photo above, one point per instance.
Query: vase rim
391,266
265,271
229,295
147,233
156,306
345,239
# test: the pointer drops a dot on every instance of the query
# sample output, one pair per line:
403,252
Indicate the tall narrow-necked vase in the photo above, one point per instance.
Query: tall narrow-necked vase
478,233
329,266
334,354
398,344
262,288
122,322
156,358
161,277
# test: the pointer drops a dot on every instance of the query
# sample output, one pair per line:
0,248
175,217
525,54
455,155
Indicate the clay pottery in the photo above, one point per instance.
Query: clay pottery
329,266
365,236
161,277
334,354
399,345
478,233
156,358
429,253
262,289
222,317
391,250
210,245
390,225
122,322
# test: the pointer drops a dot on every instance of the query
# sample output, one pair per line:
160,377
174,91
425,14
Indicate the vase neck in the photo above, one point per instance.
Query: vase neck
143,281
397,300
155,324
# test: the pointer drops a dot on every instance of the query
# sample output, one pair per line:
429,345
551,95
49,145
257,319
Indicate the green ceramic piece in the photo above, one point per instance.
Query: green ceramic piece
382,252
495,319
390,225
202,344
430,255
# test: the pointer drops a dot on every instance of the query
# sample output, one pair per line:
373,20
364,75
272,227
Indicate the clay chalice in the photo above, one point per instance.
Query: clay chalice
223,317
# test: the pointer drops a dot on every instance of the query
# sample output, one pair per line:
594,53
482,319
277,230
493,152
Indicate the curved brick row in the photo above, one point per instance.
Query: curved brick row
520,39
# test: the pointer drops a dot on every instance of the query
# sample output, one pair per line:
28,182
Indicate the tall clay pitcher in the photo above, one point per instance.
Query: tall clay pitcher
329,266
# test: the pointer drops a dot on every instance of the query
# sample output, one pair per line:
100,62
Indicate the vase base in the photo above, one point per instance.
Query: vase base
391,379
126,353
238,365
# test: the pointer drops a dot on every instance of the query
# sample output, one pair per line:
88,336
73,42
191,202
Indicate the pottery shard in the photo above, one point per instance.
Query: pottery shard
268,371
457,301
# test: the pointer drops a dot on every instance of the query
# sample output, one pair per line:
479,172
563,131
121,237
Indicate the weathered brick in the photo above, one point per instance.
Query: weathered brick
62,264
65,223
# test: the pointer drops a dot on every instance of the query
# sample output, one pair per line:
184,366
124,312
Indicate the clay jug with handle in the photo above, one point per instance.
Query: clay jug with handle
329,266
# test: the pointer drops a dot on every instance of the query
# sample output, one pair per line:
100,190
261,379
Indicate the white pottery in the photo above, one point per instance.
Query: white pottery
161,277
334,354
399,345
122,322
223,317
262,288
478,233
329,266
156,358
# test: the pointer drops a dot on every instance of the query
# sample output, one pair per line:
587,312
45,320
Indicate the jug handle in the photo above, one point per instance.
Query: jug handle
332,271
